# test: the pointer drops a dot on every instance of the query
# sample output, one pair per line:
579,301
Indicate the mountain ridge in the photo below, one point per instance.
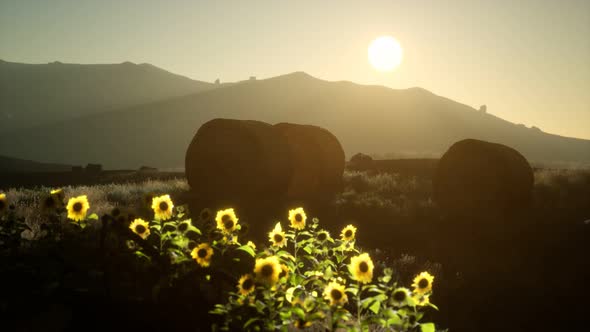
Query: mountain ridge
366,118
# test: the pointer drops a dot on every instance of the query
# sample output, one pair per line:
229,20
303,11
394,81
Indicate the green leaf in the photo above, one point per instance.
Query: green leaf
308,250
394,320
93,216
194,229
432,305
286,254
375,307
248,249
427,327
250,322
352,290
299,312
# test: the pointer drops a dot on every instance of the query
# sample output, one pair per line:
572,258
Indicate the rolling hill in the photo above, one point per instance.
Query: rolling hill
369,119
12,165
37,94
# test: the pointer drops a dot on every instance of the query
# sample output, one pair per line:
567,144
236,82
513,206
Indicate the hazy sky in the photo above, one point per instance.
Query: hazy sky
528,61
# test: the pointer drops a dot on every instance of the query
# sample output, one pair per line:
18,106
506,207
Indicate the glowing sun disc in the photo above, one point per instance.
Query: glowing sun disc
385,53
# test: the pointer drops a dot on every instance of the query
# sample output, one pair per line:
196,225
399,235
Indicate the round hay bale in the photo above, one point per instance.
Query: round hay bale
318,161
360,162
478,178
231,160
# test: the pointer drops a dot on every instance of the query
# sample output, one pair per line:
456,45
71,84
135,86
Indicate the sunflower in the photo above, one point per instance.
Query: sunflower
59,193
277,236
422,300
267,270
323,236
202,254
226,220
205,215
115,212
77,208
50,203
348,233
400,296
284,271
140,227
162,207
423,283
334,292
246,284
231,239
297,218
3,203
361,268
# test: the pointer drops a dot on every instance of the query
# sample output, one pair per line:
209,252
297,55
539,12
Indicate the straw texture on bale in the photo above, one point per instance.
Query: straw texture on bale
481,178
231,159
318,161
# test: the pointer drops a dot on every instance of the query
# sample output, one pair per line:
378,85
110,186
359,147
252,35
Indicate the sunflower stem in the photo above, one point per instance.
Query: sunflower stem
358,305
295,252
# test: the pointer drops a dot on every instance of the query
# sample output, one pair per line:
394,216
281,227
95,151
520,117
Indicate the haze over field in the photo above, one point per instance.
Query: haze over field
366,118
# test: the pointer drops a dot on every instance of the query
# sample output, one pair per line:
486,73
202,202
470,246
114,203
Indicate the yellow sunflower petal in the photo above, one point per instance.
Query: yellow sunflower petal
202,254
297,218
361,268
78,207
162,207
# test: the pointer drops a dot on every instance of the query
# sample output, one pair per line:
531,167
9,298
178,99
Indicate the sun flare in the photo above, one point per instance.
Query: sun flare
385,53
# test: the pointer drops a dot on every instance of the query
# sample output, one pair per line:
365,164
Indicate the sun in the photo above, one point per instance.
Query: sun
385,53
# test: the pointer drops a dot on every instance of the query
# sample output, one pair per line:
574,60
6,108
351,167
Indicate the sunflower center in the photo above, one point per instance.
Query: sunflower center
228,222
247,284
205,215
298,217
336,294
163,206
267,270
348,233
399,296
202,253
140,229
278,238
322,236
77,207
183,227
364,267
423,283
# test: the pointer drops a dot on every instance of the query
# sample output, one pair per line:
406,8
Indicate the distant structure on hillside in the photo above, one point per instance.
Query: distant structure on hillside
252,78
483,109
93,168
217,81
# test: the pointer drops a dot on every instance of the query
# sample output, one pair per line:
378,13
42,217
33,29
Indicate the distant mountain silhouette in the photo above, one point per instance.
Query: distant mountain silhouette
36,94
8,164
369,119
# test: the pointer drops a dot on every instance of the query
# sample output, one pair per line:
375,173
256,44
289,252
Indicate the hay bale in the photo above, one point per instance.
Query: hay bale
360,162
477,178
318,161
228,160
